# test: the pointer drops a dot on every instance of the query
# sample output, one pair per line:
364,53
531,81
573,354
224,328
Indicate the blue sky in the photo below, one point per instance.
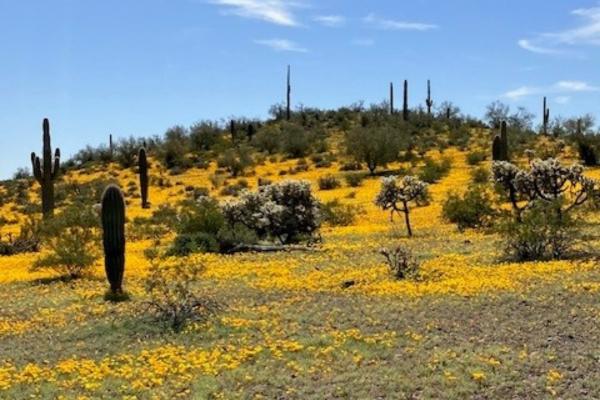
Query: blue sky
138,67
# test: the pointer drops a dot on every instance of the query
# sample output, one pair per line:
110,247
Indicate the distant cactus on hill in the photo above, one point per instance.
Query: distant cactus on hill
143,171
46,171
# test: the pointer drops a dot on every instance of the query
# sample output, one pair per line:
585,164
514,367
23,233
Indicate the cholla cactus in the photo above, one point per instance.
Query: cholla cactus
548,181
401,262
285,210
395,196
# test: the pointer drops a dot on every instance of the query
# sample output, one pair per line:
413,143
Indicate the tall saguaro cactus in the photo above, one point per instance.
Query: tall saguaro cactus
113,238
289,96
428,101
143,171
111,147
46,171
546,117
392,98
405,105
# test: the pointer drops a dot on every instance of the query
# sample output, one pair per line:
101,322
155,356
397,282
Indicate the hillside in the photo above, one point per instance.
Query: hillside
325,321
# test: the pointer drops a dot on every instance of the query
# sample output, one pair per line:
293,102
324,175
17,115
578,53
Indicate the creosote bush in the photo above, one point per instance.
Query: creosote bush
328,182
433,170
336,213
402,263
473,209
175,296
71,238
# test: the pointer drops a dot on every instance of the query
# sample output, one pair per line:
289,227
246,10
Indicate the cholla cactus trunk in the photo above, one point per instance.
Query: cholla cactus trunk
288,110
546,117
391,98
113,225
429,102
143,170
46,171
405,105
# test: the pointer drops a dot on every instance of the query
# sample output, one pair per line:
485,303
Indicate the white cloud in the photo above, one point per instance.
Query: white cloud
274,11
560,87
588,33
393,25
281,45
332,21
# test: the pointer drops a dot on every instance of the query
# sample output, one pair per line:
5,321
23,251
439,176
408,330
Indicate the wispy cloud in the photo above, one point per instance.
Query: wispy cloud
562,99
281,45
393,25
274,11
332,21
560,87
587,33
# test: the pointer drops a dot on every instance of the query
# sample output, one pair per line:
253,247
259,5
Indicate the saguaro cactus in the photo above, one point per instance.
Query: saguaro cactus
110,145
250,131
143,171
289,96
546,117
428,101
391,97
500,144
46,171
405,105
113,225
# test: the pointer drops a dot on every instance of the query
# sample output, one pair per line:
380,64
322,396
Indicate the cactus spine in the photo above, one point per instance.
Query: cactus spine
546,116
429,102
46,171
391,98
405,105
113,226
289,96
143,170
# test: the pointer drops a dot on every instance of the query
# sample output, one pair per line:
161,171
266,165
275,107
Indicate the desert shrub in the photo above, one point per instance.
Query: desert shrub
375,146
396,196
127,151
297,141
336,213
175,297
433,170
354,179
198,226
286,211
328,182
235,161
476,157
542,233
175,148
588,149
235,189
350,166
217,180
268,139
473,209
28,240
402,263
264,181
71,237
204,136
480,175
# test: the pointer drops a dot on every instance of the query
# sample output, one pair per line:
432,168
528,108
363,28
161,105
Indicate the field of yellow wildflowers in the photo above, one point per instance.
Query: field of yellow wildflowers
292,329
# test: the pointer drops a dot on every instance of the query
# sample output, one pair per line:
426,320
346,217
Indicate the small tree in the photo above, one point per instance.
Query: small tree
397,195
375,146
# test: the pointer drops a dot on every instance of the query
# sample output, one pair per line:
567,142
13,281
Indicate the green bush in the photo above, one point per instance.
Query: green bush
354,179
328,182
402,263
433,170
235,161
71,237
335,213
480,175
471,210
542,234
476,157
